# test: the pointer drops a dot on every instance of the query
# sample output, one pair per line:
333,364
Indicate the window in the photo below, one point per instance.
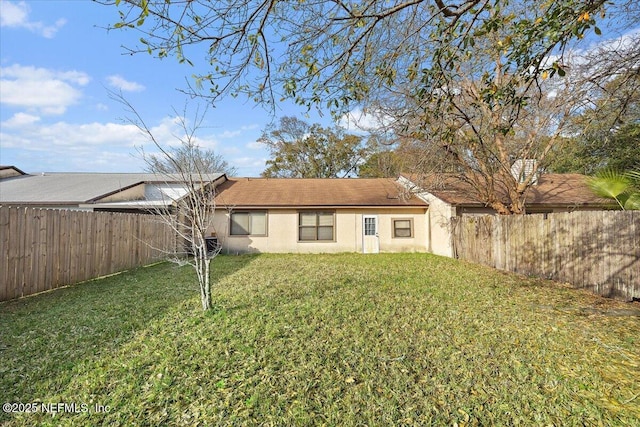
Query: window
369,226
315,226
402,228
249,223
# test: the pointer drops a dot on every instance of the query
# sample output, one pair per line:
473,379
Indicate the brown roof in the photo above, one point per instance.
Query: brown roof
551,190
299,192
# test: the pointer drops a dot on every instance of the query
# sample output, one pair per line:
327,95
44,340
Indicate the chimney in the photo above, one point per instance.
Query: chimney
523,168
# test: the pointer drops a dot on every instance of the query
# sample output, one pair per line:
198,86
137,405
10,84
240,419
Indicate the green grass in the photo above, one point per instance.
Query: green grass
323,340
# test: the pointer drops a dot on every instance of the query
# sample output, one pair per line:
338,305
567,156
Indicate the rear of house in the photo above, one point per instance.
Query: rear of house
319,216
448,196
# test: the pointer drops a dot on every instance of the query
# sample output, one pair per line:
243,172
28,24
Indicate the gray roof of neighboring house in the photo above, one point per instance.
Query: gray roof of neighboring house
73,188
9,171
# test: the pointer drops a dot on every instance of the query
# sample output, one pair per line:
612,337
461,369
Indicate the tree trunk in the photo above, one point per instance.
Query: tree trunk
206,303
203,269
500,208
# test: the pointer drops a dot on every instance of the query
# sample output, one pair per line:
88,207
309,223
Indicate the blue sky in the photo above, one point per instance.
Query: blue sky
58,64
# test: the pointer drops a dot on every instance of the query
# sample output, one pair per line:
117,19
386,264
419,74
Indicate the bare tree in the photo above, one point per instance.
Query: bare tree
188,190
190,156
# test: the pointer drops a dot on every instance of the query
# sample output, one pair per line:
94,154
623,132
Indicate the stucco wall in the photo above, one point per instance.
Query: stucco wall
439,226
282,232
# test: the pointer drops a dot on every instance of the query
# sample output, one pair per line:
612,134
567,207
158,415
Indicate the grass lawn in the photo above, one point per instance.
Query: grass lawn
353,340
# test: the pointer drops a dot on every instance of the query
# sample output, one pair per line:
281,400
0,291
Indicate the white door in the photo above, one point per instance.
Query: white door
370,241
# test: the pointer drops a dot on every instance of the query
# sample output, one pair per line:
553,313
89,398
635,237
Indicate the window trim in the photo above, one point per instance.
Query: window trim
393,228
249,212
317,226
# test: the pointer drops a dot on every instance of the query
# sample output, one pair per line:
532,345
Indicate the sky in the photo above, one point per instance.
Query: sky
58,64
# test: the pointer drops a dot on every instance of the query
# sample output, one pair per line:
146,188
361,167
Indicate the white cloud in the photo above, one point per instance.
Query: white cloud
20,120
13,14
41,89
106,161
248,162
625,41
79,137
124,85
358,120
169,132
230,134
65,146
92,146
255,145
16,15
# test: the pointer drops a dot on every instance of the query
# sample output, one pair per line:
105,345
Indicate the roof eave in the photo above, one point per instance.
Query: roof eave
236,207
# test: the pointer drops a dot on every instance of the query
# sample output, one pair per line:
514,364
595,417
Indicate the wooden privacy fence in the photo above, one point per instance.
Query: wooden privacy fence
595,250
44,249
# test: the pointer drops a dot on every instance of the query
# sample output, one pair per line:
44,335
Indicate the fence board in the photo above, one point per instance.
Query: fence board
43,249
598,251
4,249
20,267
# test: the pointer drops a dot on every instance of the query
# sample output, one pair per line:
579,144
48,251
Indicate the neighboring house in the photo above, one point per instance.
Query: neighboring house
10,171
319,215
113,192
448,197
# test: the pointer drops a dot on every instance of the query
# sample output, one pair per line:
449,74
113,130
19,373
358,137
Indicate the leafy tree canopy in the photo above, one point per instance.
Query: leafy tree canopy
606,132
618,149
300,150
335,53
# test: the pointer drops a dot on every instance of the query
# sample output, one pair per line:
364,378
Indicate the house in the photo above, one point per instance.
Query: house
113,192
319,215
300,215
10,171
448,197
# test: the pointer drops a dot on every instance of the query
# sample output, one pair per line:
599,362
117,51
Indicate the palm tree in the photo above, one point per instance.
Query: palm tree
623,187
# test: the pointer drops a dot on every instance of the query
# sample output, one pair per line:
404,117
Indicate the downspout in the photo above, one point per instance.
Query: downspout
429,237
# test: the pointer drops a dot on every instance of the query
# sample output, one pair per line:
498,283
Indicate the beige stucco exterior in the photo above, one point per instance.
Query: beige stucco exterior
282,231
439,216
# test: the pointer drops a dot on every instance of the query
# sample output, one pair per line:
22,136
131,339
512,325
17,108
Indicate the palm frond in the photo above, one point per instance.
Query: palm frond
633,202
633,175
611,184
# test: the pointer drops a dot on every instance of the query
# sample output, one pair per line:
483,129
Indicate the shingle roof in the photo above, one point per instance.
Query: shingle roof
71,188
294,192
563,189
551,190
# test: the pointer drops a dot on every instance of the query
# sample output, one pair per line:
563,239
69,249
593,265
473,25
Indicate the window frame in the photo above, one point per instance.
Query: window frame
394,229
317,226
250,232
